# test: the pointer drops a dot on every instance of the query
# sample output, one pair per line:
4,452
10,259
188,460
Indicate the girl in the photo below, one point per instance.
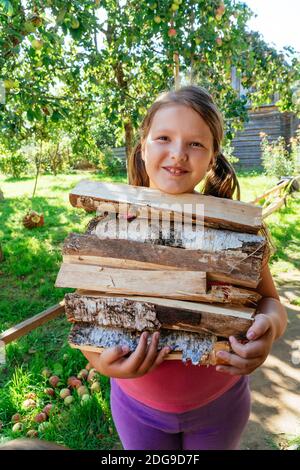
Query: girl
167,405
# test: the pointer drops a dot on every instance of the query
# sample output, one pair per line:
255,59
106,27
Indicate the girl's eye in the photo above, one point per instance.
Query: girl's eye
197,144
164,138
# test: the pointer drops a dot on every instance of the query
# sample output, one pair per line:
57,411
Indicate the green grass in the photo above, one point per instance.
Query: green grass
27,277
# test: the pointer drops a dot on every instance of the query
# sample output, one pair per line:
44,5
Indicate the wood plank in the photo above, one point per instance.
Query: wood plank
217,292
132,282
222,213
271,191
276,204
194,347
150,314
30,324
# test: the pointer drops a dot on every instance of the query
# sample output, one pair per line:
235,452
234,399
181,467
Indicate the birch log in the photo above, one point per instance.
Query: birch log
232,257
151,314
199,349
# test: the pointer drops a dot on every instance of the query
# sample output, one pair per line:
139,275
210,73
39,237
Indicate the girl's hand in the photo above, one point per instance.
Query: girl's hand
253,354
145,358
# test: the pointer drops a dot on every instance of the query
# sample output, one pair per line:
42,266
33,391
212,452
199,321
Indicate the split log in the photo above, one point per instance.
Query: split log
237,256
152,314
218,212
133,282
199,349
216,293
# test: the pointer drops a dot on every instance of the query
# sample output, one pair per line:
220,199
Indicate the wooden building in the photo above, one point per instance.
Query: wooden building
267,119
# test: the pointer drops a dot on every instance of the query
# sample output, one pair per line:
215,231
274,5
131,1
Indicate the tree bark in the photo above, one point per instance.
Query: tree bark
151,315
199,349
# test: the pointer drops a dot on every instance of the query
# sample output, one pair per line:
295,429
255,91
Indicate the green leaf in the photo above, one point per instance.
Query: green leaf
30,115
56,116
7,7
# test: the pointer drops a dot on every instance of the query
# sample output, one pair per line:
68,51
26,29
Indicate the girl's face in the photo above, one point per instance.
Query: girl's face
178,149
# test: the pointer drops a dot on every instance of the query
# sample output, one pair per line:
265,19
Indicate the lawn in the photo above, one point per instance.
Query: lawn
27,276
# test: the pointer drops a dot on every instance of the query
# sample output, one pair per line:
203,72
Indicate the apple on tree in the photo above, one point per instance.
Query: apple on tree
172,32
174,6
37,44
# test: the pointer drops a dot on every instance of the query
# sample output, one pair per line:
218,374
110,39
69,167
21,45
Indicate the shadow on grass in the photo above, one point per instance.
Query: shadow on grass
276,388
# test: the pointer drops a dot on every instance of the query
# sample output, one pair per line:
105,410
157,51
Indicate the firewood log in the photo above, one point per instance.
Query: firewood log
152,314
218,212
199,349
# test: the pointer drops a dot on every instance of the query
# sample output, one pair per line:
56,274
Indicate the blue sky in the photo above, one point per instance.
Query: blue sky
278,21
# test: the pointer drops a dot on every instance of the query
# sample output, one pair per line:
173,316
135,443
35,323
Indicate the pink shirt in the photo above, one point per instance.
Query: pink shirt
176,387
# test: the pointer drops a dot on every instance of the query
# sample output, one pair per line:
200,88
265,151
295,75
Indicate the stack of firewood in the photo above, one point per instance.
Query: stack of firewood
139,268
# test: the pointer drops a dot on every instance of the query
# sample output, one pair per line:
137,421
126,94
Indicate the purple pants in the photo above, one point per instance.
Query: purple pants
216,426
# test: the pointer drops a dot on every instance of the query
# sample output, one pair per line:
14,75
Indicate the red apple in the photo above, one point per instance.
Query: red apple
48,409
73,382
16,418
54,379
172,32
83,374
65,392
28,404
40,417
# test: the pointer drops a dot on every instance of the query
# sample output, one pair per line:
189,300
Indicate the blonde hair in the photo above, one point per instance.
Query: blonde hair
221,180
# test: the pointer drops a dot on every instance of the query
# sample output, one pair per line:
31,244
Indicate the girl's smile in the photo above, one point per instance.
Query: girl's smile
178,149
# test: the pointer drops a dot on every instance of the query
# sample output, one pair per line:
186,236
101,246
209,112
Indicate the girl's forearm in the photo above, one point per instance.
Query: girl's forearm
277,313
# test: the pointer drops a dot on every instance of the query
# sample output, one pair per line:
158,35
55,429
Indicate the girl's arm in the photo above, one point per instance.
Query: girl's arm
269,324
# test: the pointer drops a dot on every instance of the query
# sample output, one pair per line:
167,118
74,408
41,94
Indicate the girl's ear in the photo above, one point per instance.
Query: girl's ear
142,151
212,162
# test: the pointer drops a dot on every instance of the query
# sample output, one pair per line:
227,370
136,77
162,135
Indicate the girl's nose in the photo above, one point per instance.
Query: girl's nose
179,153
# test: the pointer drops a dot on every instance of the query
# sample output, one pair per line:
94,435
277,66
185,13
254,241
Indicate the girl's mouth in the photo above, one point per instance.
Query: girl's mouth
175,171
